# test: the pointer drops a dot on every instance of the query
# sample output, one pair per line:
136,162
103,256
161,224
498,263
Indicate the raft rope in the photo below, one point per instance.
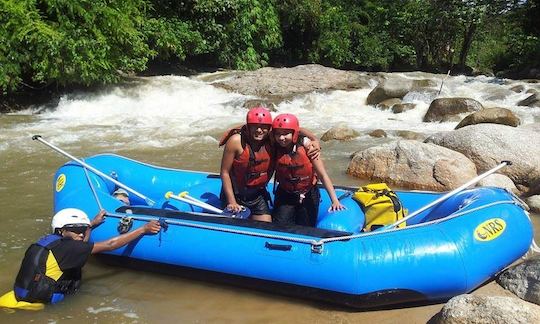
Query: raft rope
100,207
316,245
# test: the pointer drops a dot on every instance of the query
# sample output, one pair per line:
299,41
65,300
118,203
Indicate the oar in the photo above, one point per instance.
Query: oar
449,194
185,197
91,168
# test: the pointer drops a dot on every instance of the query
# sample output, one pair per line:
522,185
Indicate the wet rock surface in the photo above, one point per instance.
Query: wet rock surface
472,309
414,165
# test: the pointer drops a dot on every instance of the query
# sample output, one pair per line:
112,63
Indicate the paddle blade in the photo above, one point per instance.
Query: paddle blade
243,214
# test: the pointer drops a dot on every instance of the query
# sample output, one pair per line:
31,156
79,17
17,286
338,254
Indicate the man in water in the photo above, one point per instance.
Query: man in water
51,268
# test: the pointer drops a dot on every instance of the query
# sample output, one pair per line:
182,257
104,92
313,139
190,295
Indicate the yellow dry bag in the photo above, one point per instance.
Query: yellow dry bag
380,205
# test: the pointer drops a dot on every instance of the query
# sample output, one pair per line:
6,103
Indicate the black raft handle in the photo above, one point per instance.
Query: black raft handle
278,247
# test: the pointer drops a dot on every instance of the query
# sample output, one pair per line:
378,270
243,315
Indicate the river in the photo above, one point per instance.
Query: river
176,121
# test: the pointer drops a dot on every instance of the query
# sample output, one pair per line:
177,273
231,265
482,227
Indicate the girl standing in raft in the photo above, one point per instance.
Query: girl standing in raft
297,196
248,164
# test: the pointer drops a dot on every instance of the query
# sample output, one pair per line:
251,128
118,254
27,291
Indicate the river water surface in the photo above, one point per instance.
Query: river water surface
176,121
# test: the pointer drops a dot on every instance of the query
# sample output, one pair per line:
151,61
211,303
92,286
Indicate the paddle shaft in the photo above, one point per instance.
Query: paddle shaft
450,194
192,201
96,171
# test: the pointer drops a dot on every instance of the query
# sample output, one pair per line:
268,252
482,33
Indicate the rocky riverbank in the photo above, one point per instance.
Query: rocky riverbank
484,136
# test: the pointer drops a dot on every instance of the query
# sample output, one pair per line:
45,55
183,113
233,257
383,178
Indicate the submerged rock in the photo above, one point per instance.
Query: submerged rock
340,132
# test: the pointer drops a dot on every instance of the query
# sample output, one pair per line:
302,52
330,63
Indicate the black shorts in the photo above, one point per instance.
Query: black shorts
288,209
257,202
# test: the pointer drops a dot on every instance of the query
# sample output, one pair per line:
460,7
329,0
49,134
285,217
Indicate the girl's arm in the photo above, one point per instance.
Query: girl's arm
327,183
232,148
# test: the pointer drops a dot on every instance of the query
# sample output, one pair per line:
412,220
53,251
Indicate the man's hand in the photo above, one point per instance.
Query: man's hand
152,227
99,218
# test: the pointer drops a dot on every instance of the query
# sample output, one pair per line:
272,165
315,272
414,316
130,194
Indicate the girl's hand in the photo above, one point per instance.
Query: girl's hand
314,150
336,206
234,207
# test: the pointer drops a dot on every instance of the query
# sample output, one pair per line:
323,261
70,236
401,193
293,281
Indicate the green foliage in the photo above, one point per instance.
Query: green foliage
171,37
87,42
250,35
71,42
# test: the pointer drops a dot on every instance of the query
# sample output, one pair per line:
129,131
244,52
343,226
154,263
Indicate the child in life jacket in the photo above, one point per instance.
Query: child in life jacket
297,196
247,164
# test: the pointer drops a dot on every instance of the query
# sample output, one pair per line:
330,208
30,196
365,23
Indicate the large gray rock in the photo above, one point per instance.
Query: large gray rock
396,87
280,84
501,116
489,144
448,109
410,164
523,280
471,309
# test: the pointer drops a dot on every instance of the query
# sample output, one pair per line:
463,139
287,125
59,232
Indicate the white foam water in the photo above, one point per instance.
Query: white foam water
167,111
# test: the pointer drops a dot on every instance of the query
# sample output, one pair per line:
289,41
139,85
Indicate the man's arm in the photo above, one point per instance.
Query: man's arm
121,240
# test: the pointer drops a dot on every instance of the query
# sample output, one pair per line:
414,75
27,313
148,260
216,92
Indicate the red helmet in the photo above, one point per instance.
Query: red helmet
259,115
287,121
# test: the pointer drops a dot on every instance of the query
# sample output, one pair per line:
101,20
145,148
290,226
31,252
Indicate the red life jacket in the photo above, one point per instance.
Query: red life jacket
251,169
294,170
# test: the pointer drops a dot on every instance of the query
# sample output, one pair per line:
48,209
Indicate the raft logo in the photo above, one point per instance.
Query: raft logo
490,229
60,182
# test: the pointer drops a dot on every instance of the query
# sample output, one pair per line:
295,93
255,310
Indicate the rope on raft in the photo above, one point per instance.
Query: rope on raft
534,248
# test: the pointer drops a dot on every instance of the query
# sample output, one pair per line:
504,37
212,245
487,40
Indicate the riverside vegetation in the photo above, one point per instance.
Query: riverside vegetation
56,44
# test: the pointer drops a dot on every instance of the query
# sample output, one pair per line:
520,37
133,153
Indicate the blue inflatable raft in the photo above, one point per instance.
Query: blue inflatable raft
447,250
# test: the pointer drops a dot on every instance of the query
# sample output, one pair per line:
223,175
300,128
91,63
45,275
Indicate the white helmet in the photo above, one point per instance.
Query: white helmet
70,217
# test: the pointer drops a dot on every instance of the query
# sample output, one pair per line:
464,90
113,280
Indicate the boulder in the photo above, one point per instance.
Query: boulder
472,309
489,144
501,116
523,280
396,87
531,101
279,84
448,109
414,165
498,180
340,132
534,203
